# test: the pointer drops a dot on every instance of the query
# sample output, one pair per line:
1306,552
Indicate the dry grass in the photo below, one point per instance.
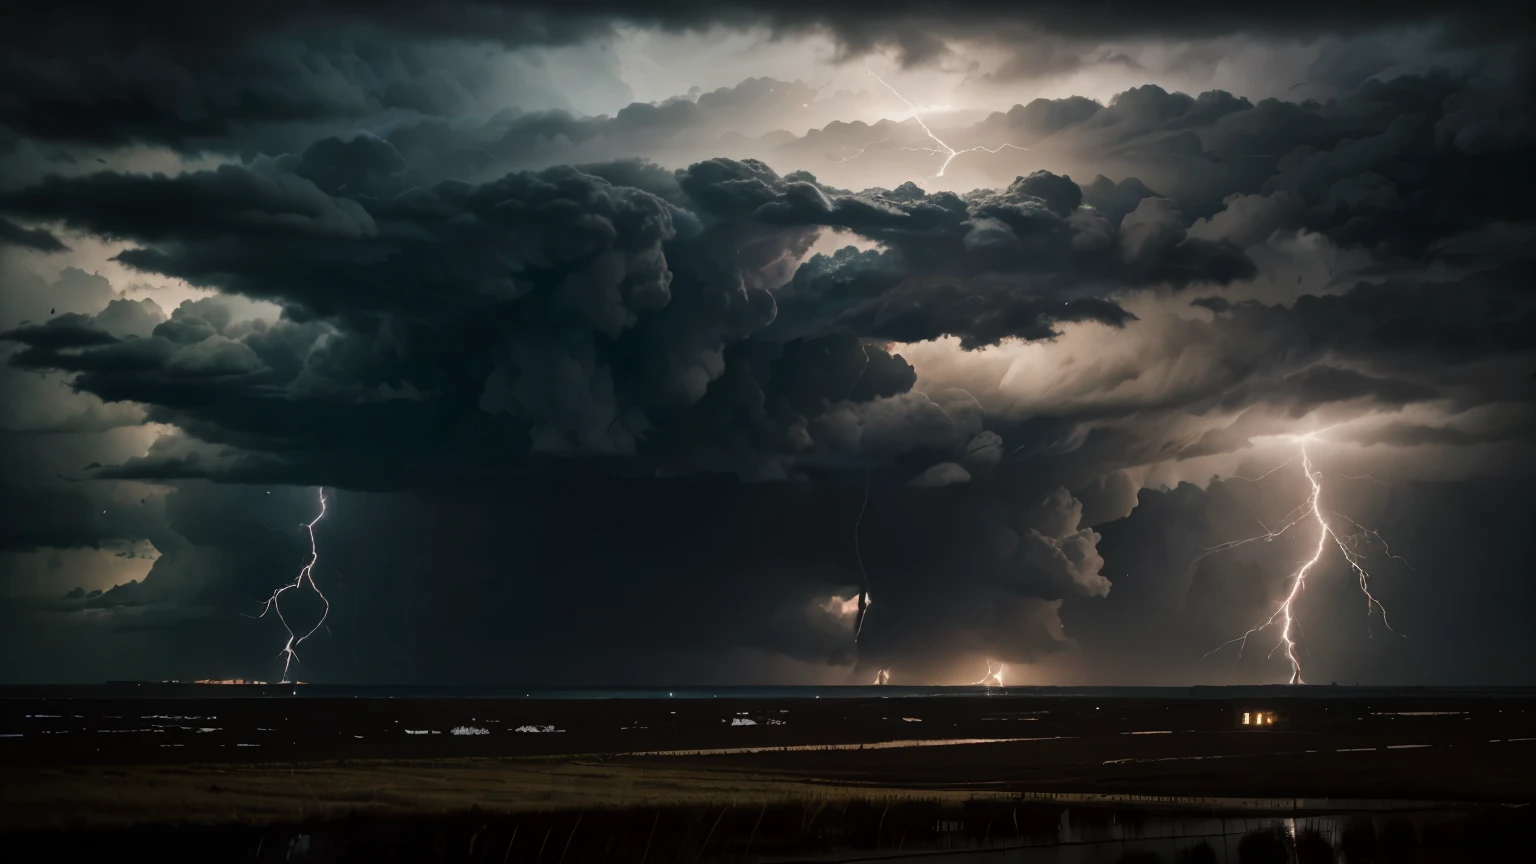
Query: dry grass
89,797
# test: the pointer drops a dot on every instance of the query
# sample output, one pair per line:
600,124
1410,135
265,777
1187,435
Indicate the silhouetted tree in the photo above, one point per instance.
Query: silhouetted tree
1263,847
1202,854
1359,843
1311,848
1399,842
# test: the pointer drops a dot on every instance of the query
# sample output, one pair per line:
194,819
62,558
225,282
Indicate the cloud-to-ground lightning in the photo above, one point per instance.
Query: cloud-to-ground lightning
1310,508
941,149
864,598
993,676
306,574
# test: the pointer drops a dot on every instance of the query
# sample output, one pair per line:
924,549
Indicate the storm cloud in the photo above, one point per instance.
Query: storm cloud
654,392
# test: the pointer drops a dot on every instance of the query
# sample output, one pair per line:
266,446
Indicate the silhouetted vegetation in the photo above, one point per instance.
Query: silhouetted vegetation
1399,842
1311,848
746,831
1201,854
1359,843
1263,847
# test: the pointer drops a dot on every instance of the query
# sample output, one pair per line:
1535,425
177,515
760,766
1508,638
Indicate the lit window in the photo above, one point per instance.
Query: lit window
1245,718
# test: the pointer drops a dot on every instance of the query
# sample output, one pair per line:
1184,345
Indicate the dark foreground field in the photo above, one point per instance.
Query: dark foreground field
1070,778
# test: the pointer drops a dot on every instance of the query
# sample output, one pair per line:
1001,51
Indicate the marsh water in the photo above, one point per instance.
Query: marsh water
999,830
1091,835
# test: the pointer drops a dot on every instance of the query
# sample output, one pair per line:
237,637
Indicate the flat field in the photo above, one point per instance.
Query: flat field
83,762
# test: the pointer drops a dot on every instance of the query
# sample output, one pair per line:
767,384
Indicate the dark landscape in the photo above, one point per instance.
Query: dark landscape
246,770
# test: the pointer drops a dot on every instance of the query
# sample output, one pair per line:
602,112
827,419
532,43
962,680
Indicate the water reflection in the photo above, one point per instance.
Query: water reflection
1129,837
993,831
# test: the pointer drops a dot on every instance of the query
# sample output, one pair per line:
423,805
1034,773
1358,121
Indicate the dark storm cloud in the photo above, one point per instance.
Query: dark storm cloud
69,330
800,572
1509,426
1203,387
938,275
1393,166
266,77
1392,342
1116,200
680,128
566,315
556,325
1301,393
526,360
1416,324
907,24
1165,615
12,234
113,92
229,199
1034,227
459,585
38,518
68,518
266,89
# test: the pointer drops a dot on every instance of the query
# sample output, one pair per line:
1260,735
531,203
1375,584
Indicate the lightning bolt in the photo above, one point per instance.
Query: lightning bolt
941,149
1347,546
306,574
864,599
861,150
993,675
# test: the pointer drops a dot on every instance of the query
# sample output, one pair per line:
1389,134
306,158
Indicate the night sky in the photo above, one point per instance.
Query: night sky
631,342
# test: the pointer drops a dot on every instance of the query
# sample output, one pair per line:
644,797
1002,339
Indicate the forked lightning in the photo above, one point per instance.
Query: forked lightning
306,574
941,149
994,676
1311,508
